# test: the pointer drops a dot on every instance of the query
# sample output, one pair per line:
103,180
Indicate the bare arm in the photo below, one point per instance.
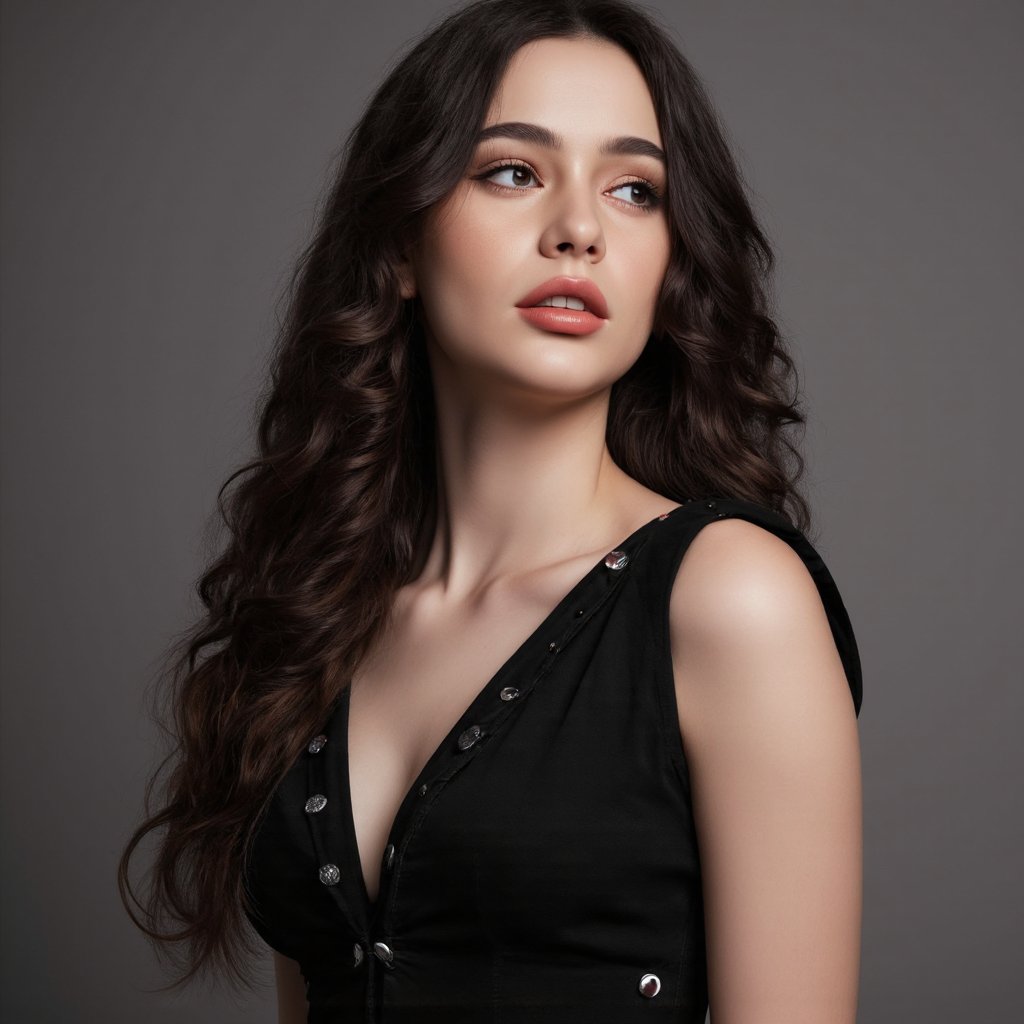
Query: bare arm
771,738
292,1007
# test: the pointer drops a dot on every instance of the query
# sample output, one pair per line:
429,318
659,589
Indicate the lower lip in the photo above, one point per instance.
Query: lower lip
562,320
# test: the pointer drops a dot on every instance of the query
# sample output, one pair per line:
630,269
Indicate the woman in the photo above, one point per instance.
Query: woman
524,695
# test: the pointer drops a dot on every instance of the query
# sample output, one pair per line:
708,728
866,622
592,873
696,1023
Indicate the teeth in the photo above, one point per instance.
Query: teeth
563,302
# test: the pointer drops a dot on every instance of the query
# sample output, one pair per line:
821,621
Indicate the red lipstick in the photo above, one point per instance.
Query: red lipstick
564,320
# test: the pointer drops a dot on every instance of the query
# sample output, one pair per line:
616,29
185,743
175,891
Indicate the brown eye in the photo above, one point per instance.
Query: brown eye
518,175
648,196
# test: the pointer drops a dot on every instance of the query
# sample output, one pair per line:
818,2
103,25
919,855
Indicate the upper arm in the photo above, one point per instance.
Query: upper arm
292,1007
770,734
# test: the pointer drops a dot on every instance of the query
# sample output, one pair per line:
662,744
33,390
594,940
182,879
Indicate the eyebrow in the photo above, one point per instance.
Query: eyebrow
622,145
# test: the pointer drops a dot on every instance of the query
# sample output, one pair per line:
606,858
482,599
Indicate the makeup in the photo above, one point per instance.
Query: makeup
560,317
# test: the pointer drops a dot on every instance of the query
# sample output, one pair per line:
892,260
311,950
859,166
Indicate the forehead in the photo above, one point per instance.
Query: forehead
585,89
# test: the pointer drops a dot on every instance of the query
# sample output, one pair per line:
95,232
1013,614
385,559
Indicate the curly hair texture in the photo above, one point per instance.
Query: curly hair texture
325,523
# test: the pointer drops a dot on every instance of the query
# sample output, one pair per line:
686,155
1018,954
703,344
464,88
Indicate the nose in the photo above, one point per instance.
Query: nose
573,227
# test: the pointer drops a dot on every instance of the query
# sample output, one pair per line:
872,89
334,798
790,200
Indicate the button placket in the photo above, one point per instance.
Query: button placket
323,792
614,562
329,872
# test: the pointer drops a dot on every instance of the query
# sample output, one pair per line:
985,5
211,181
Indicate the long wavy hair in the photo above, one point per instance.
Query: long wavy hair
326,522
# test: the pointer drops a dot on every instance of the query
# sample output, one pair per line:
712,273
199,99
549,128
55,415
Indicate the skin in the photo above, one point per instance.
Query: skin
531,500
771,740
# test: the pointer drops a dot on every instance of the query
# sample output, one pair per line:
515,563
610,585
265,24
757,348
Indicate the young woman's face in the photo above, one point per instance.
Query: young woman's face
571,210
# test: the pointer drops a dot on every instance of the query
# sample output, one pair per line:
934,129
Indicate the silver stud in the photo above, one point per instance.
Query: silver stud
423,789
509,693
330,875
469,736
389,856
316,744
315,803
553,646
383,951
616,559
357,955
650,985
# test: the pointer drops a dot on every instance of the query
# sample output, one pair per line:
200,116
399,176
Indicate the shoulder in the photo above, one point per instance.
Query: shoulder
771,744
751,640
737,577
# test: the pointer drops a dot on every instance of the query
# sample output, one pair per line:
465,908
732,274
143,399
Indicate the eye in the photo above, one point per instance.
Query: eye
515,179
518,175
647,191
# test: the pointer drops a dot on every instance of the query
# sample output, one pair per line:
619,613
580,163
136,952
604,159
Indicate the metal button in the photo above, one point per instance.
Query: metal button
423,789
316,744
509,693
650,985
389,856
616,559
357,955
383,951
330,875
315,803
553,646
469,736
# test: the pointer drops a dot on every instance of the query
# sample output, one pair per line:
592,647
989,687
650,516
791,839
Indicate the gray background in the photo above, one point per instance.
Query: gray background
160,167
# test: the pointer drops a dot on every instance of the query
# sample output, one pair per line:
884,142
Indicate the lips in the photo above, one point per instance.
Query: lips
580,287
561,319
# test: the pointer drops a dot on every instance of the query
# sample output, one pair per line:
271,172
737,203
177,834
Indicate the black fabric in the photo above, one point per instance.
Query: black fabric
541,871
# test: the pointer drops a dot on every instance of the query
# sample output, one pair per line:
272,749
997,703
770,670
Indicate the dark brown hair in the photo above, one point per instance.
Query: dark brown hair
325,523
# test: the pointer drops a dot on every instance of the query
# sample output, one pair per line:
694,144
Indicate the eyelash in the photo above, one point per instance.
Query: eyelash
654,197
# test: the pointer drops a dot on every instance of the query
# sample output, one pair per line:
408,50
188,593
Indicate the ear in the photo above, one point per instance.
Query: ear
406,277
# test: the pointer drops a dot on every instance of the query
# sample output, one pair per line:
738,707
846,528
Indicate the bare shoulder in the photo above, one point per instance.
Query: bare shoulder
745,615
734,569
770,735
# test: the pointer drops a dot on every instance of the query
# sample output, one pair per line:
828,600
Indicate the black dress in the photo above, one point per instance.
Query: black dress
543,868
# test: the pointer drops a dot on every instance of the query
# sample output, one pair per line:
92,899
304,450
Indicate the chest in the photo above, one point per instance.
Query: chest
555,846
415,686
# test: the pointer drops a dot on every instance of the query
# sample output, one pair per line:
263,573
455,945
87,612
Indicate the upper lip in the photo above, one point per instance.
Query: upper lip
580,287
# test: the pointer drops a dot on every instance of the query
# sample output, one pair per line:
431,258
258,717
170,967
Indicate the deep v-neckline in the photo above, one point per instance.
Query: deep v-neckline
343,769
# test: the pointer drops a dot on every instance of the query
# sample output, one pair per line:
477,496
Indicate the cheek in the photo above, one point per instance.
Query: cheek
462,259
642,269
461,273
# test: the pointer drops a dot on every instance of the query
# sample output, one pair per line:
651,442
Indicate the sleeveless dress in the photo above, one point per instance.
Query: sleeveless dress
543,868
